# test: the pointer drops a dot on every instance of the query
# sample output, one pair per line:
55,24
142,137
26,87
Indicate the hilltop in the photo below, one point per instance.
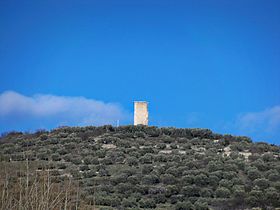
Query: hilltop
137,167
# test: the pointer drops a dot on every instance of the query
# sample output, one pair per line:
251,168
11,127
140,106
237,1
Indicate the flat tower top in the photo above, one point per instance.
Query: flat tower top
140,102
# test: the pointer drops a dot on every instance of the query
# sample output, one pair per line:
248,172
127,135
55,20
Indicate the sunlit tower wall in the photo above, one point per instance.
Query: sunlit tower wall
141,114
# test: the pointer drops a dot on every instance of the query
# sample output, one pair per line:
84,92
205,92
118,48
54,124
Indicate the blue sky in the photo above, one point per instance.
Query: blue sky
208,63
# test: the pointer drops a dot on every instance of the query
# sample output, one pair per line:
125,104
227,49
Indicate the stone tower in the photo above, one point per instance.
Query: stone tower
141,115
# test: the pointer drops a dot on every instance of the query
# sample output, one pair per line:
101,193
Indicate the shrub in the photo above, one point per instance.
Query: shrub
253,174
206,193
255,197
129,202
147,203
173,146
84,168
76,160
188,179
44,137
262,183
201,205
146,169
161,146
150,179
184,206
132,161
161,158
159,198
274,177
201,180
56,157
89,174
268,157
147,158
61,165
191,191
43,156
272,197
168,179
222,192
101,153
124,188
133,180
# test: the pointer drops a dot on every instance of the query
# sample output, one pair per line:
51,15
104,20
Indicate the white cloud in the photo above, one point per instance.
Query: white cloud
266,122
59,109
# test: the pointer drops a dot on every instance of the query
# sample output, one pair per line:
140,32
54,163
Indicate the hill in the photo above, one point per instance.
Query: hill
137,167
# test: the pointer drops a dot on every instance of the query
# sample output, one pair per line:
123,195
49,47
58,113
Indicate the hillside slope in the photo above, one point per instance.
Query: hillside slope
139,167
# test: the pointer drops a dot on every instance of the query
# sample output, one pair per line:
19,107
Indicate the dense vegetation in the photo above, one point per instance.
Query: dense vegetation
139,167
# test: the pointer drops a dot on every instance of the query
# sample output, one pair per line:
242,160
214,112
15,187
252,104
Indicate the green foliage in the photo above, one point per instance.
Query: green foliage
184,206
253,174
222,192
261,183
201,205
168,179
141,167
150,179
147,203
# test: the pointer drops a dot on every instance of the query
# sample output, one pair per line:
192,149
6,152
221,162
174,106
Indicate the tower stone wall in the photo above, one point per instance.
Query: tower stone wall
141,115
